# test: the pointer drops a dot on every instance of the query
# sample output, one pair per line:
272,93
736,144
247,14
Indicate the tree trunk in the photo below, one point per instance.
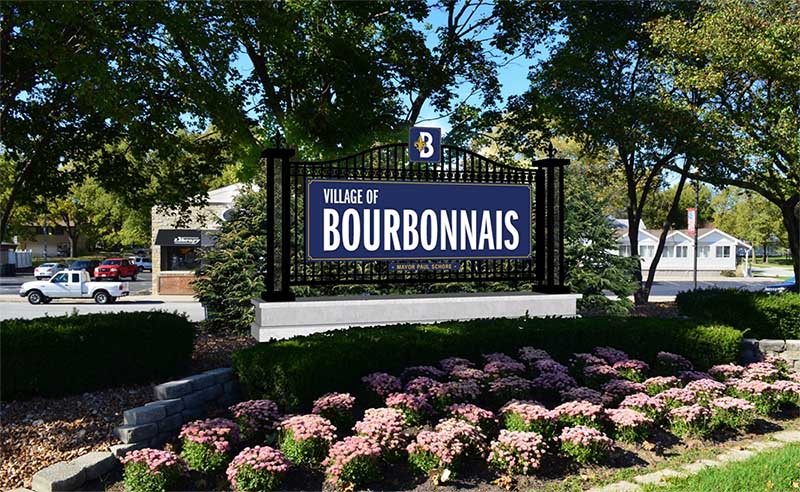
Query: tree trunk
764,255
662,239
790,212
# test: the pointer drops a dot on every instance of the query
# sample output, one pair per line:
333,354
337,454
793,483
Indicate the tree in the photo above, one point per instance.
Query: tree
600,86
590,243
661,200
335,77
85,93
749,216
742,57
232,271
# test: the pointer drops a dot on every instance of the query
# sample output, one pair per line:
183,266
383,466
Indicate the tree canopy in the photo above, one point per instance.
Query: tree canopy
743,57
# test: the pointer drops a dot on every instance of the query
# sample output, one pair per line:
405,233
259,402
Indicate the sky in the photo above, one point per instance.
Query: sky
513,77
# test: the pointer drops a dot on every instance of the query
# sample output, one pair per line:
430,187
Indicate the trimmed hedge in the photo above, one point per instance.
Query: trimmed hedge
757,314
65,355
296,371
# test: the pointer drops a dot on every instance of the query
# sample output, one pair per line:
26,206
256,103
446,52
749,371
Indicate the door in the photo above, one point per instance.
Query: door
59,286
74,284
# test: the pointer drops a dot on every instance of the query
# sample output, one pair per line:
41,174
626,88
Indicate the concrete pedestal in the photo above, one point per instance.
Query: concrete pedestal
278,320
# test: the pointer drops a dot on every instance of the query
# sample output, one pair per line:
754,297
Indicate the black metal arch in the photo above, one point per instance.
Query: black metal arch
286,178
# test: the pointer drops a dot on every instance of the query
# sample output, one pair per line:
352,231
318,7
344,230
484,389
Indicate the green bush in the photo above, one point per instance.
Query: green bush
296,371
55,356
757,314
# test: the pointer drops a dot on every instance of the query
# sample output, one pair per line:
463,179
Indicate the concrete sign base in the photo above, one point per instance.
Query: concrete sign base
278,320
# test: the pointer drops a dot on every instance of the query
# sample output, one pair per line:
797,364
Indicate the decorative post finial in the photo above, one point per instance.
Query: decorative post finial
278,140
550,150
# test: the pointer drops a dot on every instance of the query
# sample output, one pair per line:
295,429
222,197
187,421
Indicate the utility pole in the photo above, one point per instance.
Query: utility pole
46,237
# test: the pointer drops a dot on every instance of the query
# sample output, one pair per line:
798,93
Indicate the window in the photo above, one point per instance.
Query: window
76,277
704,251
179,258
624,250
669,252
723,251
60,278
681,251
646,251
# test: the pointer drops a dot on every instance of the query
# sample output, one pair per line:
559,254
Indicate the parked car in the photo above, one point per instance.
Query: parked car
72,284
789,285
142,263
116,268
88,265
46,270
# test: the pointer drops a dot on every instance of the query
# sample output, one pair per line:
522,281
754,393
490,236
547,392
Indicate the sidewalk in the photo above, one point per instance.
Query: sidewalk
128,299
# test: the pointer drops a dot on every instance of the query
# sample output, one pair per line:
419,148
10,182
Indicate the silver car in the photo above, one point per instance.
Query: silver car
47,270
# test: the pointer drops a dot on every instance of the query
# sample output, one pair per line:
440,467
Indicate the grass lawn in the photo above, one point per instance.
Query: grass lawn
774,263
777,470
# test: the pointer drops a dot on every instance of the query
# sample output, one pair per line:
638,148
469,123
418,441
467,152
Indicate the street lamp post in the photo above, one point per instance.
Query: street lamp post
696,221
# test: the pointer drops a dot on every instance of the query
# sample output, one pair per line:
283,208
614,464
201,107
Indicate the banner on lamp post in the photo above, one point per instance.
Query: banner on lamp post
691,219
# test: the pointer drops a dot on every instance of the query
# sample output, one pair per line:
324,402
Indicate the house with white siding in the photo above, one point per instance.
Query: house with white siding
717,250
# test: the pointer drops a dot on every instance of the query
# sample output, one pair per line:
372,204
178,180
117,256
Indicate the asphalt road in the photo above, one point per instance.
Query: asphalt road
11,285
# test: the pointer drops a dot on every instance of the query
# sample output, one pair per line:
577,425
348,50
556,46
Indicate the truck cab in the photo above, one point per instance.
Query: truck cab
72,284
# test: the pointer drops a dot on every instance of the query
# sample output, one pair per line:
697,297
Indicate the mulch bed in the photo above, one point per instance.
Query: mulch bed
657,310
39,432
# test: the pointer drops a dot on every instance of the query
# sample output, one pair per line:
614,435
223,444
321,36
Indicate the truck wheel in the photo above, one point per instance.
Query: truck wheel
47,300
141,269
102,297
35,297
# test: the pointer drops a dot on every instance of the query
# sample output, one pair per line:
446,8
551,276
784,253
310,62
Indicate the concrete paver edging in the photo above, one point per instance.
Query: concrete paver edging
733,454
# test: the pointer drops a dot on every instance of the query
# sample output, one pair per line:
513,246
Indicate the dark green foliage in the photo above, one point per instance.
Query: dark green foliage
588,241
758,314
74,354
229,277
294,372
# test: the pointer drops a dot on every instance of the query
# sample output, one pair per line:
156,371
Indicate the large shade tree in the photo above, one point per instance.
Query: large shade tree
599,85
744,58
335,77
84,93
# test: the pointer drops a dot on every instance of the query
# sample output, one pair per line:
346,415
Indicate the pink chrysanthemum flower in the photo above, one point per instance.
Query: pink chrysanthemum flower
382,384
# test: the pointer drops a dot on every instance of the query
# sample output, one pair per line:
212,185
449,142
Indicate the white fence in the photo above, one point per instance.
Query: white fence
23,259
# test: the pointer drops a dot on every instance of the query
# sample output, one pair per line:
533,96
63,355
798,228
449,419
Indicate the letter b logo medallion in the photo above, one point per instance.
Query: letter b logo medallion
424,144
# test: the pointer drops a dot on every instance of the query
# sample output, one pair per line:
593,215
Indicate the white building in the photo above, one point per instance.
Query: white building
717,250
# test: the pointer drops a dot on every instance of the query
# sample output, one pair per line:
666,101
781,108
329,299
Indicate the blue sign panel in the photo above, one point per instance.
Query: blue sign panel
424,144
395,220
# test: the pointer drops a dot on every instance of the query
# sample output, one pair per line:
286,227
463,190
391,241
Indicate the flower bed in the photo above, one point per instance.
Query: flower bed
445,424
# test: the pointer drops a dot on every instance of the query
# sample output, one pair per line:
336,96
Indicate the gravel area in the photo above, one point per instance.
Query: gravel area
39,432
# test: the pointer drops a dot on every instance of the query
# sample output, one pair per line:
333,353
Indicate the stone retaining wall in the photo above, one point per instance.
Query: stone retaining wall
754,350
151,425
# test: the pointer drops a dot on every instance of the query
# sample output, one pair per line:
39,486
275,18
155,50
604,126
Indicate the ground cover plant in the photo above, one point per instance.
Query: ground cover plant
475,435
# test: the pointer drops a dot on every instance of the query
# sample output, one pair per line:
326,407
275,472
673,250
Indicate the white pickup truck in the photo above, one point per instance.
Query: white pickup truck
72,284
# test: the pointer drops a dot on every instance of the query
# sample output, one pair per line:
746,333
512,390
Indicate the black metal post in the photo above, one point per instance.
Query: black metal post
276,275
550,224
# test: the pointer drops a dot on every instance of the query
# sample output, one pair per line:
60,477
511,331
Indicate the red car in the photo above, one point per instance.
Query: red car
115,268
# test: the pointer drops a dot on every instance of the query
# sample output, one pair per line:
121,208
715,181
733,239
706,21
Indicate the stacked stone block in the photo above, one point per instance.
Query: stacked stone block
177,402
151,425
755,350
